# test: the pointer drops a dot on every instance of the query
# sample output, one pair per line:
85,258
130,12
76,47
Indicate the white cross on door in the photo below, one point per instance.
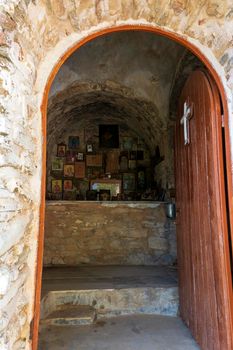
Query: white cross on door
185,122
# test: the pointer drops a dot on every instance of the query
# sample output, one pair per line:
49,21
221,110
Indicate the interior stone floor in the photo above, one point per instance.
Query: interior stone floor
138,332
131,332
105,277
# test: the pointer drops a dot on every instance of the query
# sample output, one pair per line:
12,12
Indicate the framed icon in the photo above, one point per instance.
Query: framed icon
70,156
79,170
95,160
129,182
68,170
127,143
61,150
123,162
57,164
73,142
56,186
109,136
79,156
132,164
67,185
89,148
141,179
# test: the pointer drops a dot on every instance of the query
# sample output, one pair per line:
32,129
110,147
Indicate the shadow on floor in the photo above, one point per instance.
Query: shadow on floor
138,332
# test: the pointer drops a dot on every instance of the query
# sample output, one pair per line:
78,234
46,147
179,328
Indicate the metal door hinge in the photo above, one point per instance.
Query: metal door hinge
223,121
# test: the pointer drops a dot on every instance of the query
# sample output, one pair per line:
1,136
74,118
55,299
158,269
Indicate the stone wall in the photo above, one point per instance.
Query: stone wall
34,35
108,233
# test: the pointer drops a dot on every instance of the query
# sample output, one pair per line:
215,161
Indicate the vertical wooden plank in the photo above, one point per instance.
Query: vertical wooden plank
204,110
204,287
183,243
197,262
218,223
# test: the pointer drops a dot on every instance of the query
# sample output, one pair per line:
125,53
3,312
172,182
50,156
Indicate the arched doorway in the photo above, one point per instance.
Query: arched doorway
44,111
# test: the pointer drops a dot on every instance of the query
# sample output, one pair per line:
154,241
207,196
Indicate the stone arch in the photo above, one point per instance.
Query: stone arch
32,49
54,58
207,60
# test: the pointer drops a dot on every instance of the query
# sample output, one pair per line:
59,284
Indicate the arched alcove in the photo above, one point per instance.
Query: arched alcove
103,98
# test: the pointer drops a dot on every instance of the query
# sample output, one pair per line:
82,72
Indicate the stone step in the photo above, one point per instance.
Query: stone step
115,302
70,315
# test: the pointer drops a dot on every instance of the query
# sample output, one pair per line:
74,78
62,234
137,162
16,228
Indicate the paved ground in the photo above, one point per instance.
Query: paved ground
141,332
104,277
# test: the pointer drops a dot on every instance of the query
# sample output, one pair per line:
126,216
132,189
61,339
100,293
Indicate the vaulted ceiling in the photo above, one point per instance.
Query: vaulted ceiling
125,77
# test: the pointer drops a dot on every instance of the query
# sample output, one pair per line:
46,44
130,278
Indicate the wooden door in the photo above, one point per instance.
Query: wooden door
202,232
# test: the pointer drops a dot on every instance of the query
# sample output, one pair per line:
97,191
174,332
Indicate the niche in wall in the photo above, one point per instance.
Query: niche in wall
101,160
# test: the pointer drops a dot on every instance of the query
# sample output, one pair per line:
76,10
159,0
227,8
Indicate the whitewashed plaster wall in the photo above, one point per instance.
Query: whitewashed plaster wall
34,35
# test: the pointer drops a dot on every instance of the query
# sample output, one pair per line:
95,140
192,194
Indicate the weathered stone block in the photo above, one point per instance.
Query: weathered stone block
158,243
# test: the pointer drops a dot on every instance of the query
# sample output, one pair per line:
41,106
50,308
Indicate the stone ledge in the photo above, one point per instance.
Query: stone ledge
115,302
111,204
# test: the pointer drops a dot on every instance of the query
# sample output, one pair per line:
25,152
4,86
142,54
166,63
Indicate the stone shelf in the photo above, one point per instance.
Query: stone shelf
130,204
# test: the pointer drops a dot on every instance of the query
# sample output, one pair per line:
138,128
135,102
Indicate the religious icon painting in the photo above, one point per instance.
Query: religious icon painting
56,186
73,142
79,156
123,162
127,143
80,170
141,179
67,185
89,172
70,156
112,161
61,150
132,164
89,148
68,170
109,136
57,164
95,160
129,182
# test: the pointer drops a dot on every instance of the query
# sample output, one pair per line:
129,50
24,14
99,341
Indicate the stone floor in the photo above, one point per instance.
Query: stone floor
131,332
104,277
138,332
111,290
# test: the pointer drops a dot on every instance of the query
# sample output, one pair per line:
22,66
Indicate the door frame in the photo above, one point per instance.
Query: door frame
229,158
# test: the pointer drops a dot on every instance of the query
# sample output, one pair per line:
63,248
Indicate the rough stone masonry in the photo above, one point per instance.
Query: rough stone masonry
34,34
134,233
